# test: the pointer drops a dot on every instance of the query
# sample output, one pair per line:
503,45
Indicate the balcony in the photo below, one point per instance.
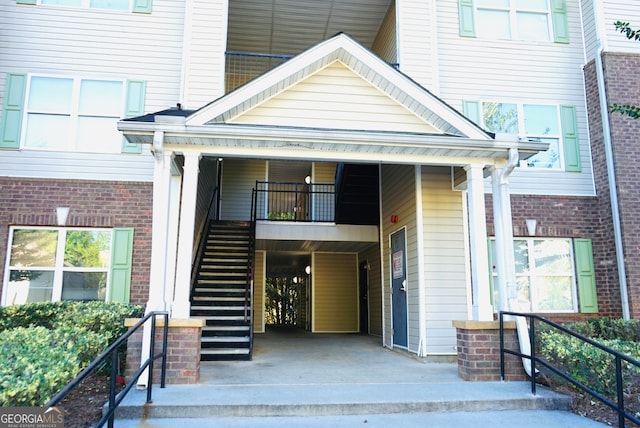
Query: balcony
298,202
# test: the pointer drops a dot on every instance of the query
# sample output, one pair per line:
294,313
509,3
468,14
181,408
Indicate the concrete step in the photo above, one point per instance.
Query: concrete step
321,400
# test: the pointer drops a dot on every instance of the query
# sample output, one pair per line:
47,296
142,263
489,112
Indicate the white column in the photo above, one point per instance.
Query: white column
172,235
482,309
505,263
181,304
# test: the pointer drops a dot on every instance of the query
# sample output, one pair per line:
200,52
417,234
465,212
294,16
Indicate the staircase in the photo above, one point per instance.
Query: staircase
220,292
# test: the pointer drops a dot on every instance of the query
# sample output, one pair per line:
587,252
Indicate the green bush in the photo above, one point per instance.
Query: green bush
607,328
586,363
43,346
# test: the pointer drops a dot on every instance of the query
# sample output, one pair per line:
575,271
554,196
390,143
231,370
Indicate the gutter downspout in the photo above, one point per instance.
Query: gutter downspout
608,152
506,263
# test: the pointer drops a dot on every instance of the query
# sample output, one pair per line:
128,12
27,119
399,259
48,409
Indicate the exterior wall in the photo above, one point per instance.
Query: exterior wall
398,195
259,283
28,202
335,98
335,293
206,187
372,256
205,41
619,10
238,179
417,43
323,205
495,70
445,261
621,87
589,28
385,43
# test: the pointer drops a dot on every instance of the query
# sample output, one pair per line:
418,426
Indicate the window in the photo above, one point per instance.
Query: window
51,264
528,20
549,273
97,4
72,114
537,123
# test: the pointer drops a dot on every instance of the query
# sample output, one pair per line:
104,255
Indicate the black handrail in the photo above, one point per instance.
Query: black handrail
112,352
618,406
197,257
294,201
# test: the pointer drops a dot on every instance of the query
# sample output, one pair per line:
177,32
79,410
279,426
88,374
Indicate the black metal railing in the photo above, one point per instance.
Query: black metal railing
289,201
212,214
112,352
618,404
241,67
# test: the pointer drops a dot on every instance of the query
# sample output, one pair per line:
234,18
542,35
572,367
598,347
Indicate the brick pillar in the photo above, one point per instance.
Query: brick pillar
183,351
478,345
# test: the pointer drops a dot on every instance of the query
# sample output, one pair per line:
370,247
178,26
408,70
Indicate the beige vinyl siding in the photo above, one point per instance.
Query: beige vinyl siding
323,203
335,292
417,41
259,281
445,263
205,44
589,29
93,43
372,256
399,198
385,44
238,180
519,72
335,98
620,10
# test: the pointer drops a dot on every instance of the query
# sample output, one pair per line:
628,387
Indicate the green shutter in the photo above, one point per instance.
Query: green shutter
467,19
135,107
471,110
560,22
121,257
570,143
586,276
142,6
26,1
12,107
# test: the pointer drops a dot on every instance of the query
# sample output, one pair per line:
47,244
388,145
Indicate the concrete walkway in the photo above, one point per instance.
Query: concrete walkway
302,380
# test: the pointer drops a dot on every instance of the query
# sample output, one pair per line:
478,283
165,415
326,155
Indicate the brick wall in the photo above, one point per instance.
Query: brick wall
622,87
570,217
30,202
183,352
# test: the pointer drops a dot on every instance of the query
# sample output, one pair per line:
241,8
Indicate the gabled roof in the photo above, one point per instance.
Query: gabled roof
398,120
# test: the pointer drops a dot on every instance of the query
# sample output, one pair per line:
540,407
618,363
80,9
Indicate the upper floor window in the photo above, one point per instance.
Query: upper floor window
533,121
529,20
514,19
72,114
125,5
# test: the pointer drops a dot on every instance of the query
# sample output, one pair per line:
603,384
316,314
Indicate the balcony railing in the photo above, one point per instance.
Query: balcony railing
278,201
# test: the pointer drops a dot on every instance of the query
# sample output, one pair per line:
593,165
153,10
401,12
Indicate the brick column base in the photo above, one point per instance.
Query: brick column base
479,351
183,351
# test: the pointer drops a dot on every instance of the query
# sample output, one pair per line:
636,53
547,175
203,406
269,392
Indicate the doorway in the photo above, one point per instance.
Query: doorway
287,291
399,288
363,279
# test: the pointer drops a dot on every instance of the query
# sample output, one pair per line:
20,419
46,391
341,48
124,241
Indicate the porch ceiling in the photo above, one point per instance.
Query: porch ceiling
291,26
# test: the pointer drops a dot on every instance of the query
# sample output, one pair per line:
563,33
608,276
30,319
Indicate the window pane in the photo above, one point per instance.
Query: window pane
523,290
100,98
493,3
98,135
521,256
86,248
47,131
27,286
550,158
77,3
499,117
552,257
51,95
554,294
493,24
533,26
542,5
541,120
110,4
84,285
33,247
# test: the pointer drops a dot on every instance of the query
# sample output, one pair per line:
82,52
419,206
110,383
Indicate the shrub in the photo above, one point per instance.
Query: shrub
43,346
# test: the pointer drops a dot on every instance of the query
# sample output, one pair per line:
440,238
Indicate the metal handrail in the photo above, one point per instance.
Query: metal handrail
112,352
618,406
294,201
203,238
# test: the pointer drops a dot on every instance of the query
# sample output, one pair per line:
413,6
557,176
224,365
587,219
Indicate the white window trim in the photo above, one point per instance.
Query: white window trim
513,20
74,114
58,269
85,4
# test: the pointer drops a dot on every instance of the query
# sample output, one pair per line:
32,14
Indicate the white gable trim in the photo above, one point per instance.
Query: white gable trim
362,62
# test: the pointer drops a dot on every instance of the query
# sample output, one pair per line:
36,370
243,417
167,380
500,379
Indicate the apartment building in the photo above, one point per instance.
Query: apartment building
388,165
